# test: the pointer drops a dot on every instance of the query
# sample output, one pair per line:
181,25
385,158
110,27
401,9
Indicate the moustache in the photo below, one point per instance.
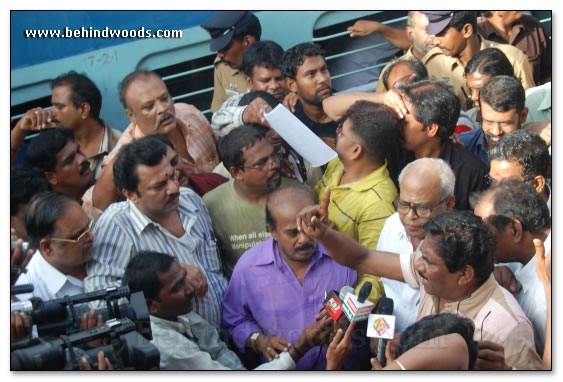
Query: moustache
163,117
172,198
305,247
323,87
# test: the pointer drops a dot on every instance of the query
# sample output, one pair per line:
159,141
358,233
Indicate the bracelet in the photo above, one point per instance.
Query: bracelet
400,364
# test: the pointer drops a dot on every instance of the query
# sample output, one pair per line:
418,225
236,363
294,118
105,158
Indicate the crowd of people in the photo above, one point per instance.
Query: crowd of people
439,198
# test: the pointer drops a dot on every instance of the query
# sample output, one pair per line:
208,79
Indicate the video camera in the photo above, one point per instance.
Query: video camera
59,344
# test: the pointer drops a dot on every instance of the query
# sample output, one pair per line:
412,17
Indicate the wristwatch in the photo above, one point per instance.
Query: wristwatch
253,339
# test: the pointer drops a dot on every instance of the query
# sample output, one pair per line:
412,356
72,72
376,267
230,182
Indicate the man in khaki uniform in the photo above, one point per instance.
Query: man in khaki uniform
455,33
231,33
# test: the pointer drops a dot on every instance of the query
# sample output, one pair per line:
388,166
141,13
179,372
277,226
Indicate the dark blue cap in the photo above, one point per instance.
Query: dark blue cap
222,27
438,20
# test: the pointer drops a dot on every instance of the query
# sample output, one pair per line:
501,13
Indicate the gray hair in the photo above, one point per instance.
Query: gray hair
447,177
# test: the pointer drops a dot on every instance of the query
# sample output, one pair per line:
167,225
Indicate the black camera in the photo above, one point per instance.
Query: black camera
61,343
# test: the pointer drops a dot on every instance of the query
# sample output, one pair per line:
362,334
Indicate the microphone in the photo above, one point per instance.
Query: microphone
384,307
356,308
333,302
26,306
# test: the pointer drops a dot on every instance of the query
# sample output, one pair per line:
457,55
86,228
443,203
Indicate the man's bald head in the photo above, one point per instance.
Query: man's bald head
431,173
288,201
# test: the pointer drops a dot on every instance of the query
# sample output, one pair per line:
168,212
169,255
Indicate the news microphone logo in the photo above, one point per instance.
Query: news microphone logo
382,325
333,306
357,308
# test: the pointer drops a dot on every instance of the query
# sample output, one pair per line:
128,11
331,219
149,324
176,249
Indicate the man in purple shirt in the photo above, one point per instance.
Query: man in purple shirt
278,286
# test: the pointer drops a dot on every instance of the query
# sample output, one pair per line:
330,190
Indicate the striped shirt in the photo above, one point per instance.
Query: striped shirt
123,230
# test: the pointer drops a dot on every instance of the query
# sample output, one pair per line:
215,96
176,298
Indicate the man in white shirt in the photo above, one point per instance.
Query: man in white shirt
61,230
427,187
517,215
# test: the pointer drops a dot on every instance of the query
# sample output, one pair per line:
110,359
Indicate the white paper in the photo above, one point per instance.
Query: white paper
381,326
299,136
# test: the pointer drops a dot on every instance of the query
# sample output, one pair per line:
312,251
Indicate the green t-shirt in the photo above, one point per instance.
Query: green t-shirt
239,225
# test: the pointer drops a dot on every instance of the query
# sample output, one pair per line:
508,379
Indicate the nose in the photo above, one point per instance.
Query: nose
475,95
496,129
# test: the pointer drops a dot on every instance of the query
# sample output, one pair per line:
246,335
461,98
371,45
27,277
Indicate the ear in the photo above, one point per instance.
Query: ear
291,84
153,306
467,31
84,110
272,231
248,81
466,275
357,151
51,178
432,130
516,230
46,246
409,31
236,173
539,183
450,202
131,195
130,115
248,39
523,115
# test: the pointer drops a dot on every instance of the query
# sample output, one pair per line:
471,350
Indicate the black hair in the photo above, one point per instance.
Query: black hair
41,214
515,200
416,66
83,90
527,149
295,189
146,151
123,86
42,150
463,239
434,102
490,61
232,144
295,56
251,96
252,28
25,181
141,273
266,54
376,125
461,18
503,93
437,325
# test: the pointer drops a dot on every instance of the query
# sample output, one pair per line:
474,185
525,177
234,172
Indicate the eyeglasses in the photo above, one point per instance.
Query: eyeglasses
80,236
267,163
421,211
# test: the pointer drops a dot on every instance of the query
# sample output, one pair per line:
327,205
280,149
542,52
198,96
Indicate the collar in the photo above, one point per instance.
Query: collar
187,210
57,279
106,142
183,325
490,30
527,274
470,305
218,62
364,184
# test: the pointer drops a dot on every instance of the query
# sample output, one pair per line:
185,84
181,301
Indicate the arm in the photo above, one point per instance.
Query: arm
336,106
346,250
105,192
543,269
448,352
395,36
33,120
228,117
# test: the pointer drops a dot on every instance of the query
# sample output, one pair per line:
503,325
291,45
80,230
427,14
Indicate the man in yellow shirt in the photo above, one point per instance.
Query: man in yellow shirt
362,192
